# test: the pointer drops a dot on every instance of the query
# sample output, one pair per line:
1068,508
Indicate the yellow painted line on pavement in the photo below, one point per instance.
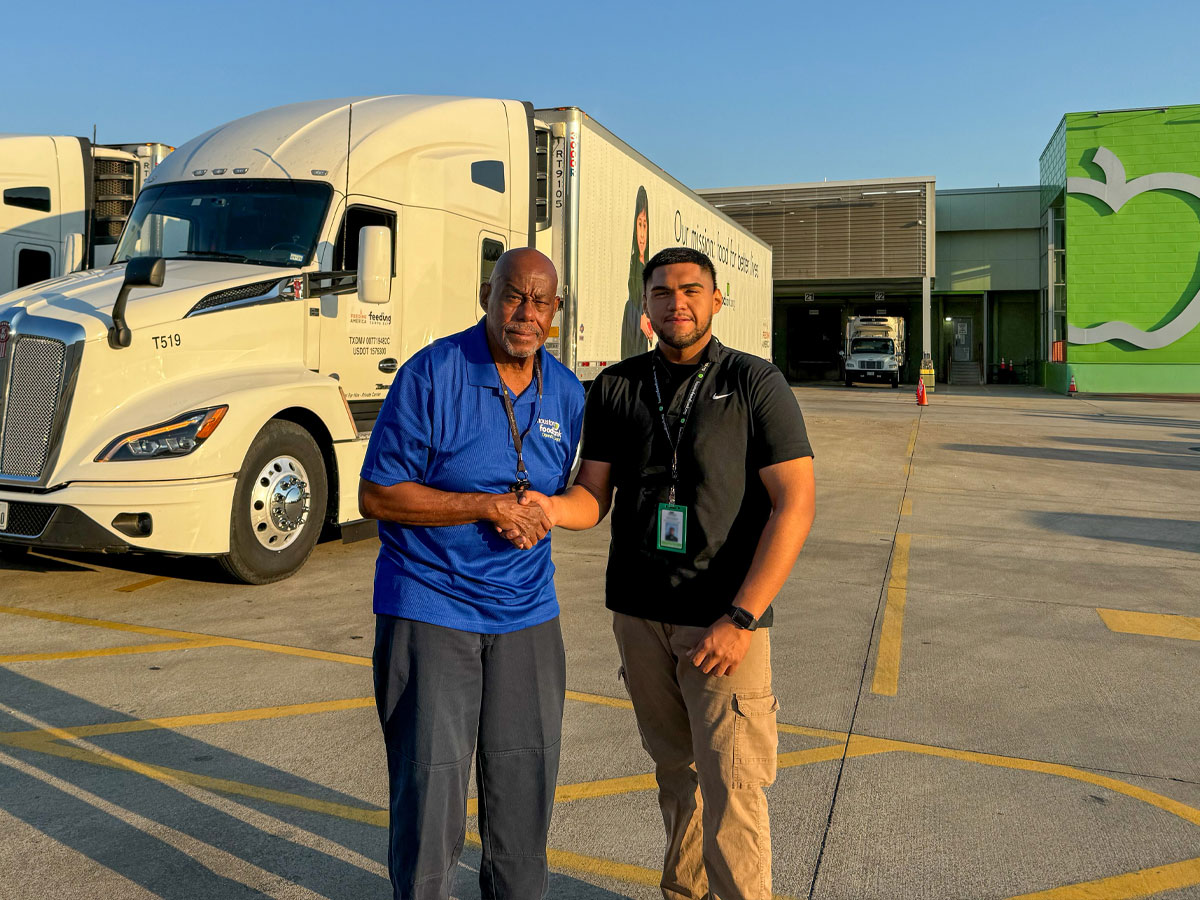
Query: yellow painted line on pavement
1142,883
218,640
600,699
197,719
1153,624
47,741
912,439
110,651
906,507
138,585
887,660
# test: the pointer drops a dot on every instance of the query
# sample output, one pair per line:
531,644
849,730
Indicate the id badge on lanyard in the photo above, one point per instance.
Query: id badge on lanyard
672,518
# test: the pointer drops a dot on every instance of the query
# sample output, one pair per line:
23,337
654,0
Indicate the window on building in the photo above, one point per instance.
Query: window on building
32,266
345,254
28,198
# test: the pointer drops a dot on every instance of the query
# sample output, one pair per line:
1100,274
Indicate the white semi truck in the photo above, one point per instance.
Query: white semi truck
64,202
212,391
874,349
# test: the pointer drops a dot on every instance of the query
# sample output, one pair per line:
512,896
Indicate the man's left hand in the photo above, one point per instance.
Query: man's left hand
721,649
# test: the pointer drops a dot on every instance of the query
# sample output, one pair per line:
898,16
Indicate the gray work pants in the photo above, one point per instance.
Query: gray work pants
441,694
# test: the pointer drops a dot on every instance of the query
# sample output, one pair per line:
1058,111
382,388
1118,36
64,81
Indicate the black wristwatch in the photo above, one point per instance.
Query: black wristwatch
742,618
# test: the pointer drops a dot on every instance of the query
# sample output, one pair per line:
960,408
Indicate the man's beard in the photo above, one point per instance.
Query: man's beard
514,351
682,343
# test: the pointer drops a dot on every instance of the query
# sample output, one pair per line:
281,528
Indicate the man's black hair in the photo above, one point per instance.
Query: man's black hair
673,255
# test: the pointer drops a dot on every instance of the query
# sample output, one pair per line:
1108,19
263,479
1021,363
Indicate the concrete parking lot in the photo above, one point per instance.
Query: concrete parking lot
987,661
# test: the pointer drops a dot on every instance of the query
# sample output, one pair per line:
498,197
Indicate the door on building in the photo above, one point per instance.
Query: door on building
963,338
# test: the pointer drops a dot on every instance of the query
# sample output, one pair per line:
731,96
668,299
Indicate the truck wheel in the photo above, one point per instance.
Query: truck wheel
849,382
278,505
895,381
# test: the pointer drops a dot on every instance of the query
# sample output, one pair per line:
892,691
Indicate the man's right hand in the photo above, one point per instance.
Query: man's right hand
522,523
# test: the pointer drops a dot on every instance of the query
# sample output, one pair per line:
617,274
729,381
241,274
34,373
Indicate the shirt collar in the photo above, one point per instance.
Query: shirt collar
481,368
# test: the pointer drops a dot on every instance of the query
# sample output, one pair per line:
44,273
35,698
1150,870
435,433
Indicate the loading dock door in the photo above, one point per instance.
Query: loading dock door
813,342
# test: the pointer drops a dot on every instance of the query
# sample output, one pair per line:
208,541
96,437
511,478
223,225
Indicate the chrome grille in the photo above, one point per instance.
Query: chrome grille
35,382
871,364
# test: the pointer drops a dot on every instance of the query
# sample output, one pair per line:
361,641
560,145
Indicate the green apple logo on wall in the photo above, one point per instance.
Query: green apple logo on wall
1115,192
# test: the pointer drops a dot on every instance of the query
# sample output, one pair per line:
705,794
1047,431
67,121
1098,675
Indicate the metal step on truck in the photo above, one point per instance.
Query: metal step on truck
212,391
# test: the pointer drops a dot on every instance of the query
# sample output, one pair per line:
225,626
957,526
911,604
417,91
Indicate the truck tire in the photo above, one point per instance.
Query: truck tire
849,381
278,505
895,381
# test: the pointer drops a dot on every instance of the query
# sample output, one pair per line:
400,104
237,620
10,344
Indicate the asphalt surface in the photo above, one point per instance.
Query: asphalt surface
987,662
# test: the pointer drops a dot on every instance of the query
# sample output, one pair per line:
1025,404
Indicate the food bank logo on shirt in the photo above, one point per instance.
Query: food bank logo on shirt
550,429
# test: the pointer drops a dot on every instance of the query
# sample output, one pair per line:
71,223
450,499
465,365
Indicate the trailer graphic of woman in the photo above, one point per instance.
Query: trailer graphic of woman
636,333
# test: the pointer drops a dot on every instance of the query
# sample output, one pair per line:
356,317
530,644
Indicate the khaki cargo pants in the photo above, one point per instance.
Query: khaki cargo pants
713,741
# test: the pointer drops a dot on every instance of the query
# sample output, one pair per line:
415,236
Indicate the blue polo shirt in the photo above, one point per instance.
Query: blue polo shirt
444,425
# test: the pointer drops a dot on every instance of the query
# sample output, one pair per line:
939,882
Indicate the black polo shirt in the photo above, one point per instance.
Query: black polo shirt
744,418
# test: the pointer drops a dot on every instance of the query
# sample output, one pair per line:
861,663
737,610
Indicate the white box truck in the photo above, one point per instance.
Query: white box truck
64,202
212,392
874,349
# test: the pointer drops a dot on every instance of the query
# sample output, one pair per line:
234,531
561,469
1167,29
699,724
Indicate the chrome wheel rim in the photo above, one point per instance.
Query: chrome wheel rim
279,503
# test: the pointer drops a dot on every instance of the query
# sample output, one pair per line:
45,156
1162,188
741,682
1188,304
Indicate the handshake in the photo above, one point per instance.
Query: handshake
523,518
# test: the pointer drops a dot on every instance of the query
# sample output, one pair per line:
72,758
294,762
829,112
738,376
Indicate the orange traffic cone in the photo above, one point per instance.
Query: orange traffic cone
922,400
1071,389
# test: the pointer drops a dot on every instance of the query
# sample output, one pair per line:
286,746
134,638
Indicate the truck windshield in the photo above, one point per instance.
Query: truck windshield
268,223
872,345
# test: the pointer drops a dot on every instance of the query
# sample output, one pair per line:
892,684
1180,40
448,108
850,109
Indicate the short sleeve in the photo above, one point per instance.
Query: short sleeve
778,432
574,429
402,439
599,435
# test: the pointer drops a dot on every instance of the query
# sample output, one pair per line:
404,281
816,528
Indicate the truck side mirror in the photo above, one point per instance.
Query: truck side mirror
841,353
374,264
141,271
73,253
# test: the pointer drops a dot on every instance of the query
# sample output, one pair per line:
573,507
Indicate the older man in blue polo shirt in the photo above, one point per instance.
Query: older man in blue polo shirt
468,650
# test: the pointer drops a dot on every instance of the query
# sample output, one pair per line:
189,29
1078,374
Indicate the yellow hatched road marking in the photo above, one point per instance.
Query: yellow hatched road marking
111,651
1153,624
1142,883
138,585
887,659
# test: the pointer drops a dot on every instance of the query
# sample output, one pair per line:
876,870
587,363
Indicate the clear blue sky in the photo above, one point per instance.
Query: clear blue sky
718,94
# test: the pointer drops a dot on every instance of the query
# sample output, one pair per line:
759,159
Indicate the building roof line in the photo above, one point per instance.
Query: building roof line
856,182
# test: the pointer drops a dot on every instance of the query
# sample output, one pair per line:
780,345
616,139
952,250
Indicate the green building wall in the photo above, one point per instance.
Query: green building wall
1139,264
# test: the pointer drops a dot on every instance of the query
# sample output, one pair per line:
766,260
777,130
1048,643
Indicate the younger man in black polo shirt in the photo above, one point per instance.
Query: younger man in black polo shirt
710,458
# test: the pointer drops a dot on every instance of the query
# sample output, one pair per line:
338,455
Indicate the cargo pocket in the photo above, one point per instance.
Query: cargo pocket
755,740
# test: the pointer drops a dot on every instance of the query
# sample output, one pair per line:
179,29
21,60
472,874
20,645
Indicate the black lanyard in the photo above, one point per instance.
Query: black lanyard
683,414
518,436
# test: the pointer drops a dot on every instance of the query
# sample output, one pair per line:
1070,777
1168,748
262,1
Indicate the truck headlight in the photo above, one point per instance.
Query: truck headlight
851,364
891,364
178,437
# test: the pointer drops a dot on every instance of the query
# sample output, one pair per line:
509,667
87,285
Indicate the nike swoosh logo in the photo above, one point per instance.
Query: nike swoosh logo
722,396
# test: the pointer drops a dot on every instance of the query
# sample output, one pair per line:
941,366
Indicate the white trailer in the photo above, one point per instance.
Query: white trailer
874,349
213,391
64,201
614,209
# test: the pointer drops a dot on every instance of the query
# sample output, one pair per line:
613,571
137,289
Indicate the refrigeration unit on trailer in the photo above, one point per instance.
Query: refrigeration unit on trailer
212,392
63,203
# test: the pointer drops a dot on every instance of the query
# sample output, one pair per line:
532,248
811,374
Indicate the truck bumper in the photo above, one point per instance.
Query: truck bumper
864,375
186,517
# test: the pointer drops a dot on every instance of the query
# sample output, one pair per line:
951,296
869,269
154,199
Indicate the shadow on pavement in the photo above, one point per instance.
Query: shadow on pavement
178,845
1149,460
1165,534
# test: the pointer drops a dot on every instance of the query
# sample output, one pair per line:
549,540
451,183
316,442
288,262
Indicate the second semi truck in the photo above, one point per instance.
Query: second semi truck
212,392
